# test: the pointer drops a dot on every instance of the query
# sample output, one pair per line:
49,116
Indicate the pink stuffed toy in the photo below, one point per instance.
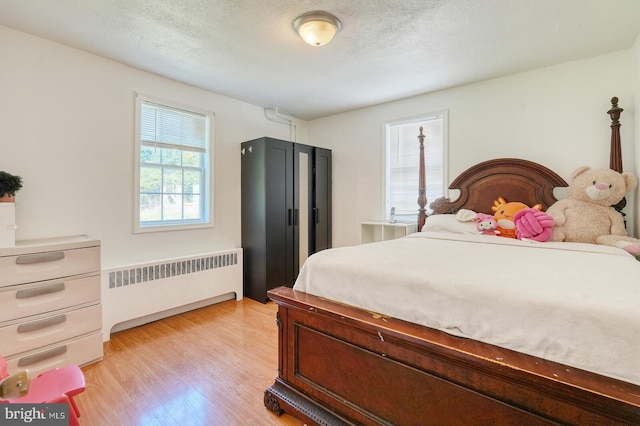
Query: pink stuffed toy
532,224
486,224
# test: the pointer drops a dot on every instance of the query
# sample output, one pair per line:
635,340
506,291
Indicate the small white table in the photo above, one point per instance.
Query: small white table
380,231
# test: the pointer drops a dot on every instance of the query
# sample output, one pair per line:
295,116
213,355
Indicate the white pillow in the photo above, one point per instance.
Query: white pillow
449,223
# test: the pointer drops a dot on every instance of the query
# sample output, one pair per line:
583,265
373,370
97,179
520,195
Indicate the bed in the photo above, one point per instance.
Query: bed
369,360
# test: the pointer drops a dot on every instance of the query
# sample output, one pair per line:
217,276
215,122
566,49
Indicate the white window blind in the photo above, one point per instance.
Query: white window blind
172,167
171,127
403,167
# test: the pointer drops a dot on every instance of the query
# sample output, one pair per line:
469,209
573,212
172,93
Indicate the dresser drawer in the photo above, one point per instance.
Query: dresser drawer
36,332
45,265
37,298
75,352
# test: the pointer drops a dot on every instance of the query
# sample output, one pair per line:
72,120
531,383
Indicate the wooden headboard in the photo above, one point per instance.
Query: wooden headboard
513,179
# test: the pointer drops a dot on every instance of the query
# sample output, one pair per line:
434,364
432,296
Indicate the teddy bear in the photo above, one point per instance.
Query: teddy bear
588,215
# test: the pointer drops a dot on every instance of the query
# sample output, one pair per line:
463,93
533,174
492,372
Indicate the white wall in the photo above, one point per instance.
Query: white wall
67,128
555,116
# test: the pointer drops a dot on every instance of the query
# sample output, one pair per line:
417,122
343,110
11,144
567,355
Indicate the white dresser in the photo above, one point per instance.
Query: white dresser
50,308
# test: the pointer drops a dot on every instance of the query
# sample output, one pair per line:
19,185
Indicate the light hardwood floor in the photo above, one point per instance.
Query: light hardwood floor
205,367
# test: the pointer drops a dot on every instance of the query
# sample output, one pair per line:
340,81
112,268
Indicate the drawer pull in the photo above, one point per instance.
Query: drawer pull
32,359
28,259
39,291
40,324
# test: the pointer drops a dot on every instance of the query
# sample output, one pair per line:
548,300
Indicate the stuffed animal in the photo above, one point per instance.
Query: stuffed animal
486,224
533,224
587,215
504,214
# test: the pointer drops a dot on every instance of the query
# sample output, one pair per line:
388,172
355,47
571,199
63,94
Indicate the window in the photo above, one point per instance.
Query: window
403,165
172,172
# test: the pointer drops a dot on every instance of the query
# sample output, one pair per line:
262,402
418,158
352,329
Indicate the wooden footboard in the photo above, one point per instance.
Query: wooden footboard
342,365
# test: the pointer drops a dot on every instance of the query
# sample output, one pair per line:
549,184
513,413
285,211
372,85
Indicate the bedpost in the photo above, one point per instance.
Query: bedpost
422,195
615,155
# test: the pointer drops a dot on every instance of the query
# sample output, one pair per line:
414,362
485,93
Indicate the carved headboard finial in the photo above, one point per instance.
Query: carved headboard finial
614,112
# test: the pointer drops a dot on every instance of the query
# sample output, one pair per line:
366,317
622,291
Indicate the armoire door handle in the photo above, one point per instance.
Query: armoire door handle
316,215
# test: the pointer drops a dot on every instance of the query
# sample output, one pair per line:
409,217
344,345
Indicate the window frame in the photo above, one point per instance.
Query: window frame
207,204
416,118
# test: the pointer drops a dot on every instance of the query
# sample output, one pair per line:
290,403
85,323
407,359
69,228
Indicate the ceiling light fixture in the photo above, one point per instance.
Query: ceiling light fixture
317,28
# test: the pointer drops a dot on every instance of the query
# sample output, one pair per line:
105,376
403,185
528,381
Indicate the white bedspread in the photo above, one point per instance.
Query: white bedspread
577,304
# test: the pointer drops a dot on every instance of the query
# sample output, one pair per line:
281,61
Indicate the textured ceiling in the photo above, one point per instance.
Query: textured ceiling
387,49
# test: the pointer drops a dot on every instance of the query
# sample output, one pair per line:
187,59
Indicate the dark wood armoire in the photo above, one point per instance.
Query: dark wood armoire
286,211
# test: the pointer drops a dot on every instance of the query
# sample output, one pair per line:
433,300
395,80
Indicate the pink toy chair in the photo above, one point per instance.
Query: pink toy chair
56,386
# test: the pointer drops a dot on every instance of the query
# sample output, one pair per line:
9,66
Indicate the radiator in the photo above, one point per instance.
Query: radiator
133,295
